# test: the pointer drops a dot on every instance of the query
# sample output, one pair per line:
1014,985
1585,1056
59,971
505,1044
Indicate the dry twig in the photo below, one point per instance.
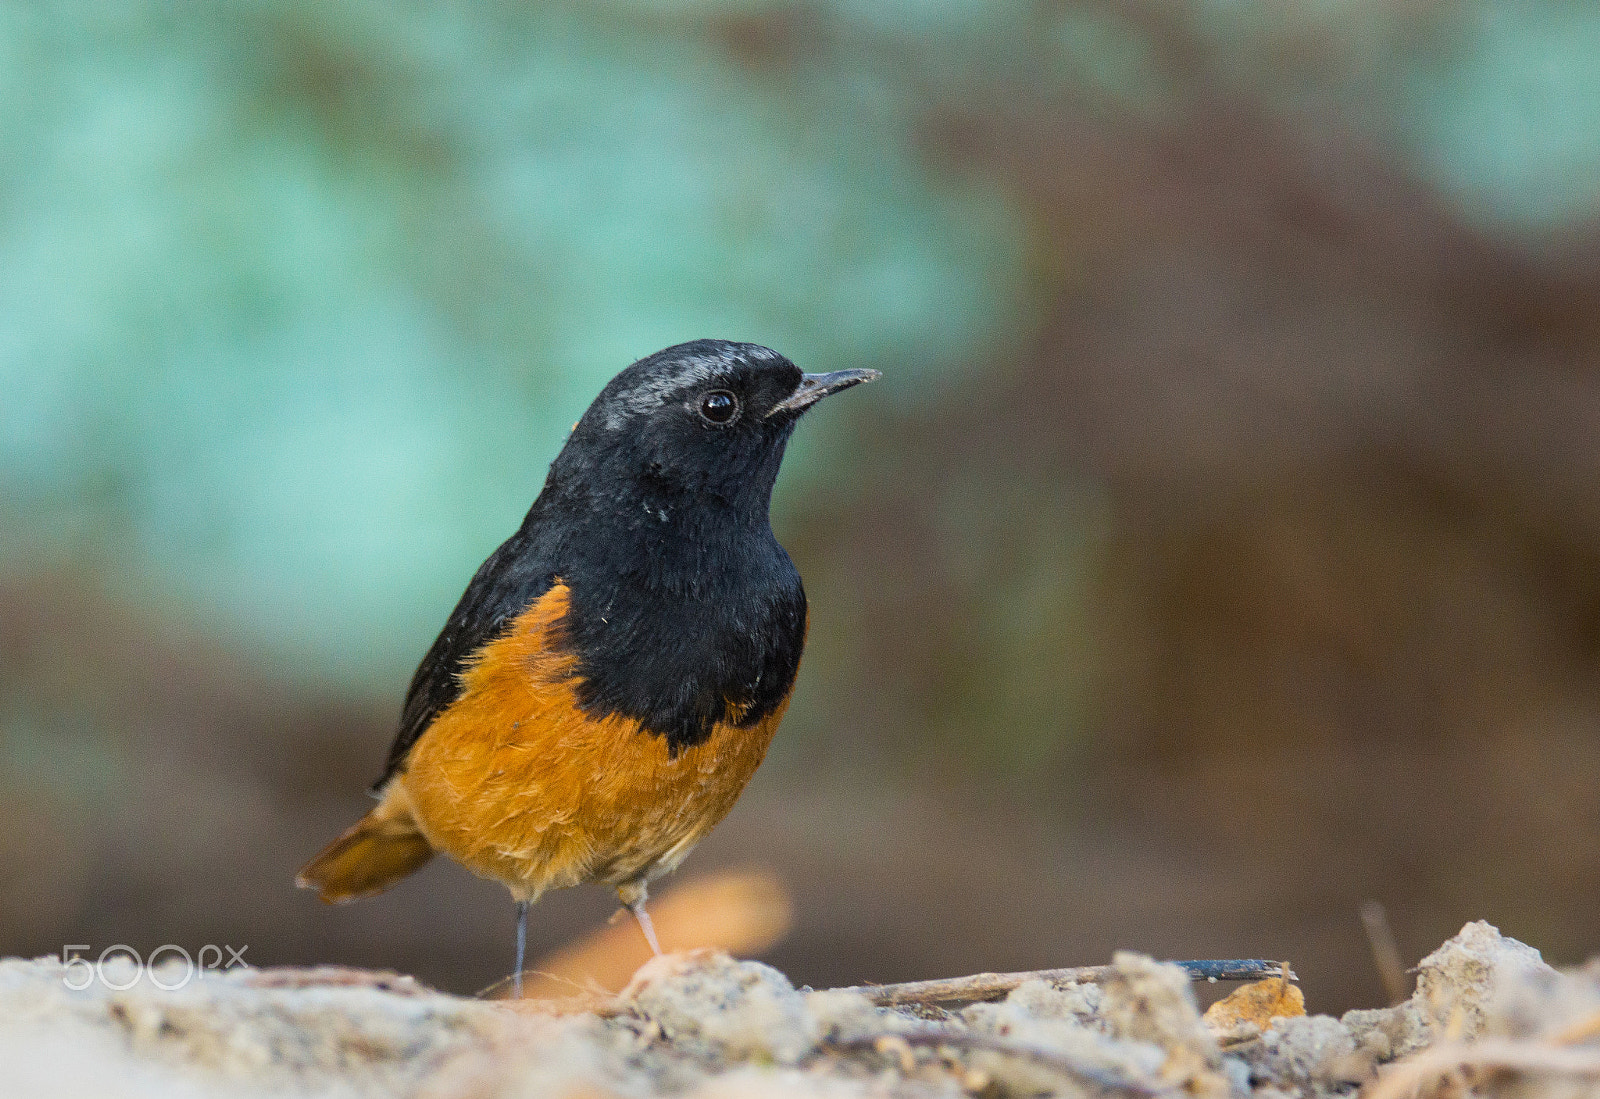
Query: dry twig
992,986
1406,1078
1385,952
1585,1029
334,976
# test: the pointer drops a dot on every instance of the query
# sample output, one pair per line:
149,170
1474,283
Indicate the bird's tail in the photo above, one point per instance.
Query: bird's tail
374,853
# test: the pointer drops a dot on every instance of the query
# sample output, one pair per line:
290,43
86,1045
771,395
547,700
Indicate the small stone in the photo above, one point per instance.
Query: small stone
844,1016
739,1010
1150,1001
1309,1052
1457,983
1254,1005
1388,1033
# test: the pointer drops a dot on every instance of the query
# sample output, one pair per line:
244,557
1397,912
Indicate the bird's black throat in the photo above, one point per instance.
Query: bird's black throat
701,632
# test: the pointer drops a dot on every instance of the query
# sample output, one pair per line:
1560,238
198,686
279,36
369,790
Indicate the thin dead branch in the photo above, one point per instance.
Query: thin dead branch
1406,1078
1584,1030
1385,952
992,986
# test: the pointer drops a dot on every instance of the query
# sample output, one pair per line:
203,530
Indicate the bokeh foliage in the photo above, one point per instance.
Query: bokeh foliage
297,298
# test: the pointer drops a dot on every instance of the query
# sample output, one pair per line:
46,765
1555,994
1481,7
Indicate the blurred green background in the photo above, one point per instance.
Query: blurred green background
1221,549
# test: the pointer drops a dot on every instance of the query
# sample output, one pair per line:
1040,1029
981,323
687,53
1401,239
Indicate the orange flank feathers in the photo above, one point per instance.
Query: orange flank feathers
517,783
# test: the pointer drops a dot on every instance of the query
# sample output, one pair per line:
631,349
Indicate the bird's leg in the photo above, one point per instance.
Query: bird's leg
646,926
633,894
522,948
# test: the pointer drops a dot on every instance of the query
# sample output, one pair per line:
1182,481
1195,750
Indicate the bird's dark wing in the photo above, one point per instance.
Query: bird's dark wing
504,586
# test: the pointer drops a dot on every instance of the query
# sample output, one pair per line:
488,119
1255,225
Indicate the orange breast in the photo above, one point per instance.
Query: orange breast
519,785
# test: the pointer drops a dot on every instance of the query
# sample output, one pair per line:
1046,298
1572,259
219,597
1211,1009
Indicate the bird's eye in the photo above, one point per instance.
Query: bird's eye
719,406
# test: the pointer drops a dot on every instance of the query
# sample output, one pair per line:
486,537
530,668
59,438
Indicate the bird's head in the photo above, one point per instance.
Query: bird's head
709,419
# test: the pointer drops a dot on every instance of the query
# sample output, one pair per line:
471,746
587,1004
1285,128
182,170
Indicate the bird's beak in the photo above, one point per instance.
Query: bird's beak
814,387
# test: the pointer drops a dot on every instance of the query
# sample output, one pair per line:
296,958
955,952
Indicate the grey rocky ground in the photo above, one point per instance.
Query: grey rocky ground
1488,1016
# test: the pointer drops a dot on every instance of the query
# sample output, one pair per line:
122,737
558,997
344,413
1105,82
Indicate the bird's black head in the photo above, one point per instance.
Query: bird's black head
707,420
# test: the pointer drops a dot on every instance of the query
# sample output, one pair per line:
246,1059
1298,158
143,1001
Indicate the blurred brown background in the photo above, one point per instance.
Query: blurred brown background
1221,551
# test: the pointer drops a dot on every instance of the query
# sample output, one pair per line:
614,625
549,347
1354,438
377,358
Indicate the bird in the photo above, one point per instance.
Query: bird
615,671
